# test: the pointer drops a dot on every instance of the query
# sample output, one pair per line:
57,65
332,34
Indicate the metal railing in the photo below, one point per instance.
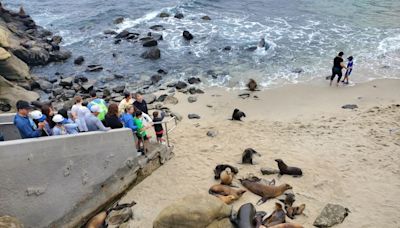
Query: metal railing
167,131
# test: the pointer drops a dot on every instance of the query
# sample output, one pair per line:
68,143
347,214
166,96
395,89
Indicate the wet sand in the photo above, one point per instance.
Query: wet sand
348,157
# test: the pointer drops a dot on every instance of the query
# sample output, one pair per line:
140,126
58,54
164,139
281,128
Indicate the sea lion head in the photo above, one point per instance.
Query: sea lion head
287,187
240,192
278,206
228,170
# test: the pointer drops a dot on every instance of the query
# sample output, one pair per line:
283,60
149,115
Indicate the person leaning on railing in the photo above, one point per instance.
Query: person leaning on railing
24,124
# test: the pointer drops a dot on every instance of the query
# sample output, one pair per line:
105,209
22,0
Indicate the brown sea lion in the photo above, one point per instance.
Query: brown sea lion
247,156
226,190
219,168
97,221
277,217
227,176
227,199
284,169
287,225
258,219
252,85
265,191
291,211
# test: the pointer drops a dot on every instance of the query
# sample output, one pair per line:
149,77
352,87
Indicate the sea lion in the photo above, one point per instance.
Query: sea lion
224,190
97,221
261,43
287,225
265,191
262,181
227,176
258,218
288,200
245,216
227,199
247,156
219,168
277,216
284,169
252,85
291,211
237,114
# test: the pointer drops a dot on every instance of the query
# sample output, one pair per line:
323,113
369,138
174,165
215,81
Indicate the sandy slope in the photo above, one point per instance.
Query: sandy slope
348,157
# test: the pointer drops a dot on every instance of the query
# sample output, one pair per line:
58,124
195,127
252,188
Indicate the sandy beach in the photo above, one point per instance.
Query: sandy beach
348,157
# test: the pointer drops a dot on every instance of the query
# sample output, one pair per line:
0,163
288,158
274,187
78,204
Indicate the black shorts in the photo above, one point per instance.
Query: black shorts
336,71
144,137
159,135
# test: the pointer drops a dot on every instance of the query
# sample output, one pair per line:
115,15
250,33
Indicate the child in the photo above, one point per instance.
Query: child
38,117
141,129
63,127
348,71
158,128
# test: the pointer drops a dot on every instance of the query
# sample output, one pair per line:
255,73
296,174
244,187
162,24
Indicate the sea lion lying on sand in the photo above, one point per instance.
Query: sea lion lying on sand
277,217
268,171
237,114
247,156
262,181
287,225
219,168
291,211
288,200
97,221
252,85
225,191
265,191
227,176
284,169
227,199
245,216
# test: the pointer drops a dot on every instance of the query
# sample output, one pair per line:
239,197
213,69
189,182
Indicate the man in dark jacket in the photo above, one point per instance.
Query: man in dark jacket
140,103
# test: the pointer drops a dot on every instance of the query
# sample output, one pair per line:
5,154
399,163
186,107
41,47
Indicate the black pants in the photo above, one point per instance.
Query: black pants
336,71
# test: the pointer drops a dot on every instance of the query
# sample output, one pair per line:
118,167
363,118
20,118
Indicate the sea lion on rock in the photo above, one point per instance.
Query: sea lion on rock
252,85
291,211
224,190
219,168
287,225
265,191
277,216
227,176
247,156
237,114
245,216
284,169
227,199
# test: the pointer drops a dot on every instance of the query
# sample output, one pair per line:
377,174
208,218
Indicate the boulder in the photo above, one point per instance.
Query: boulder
4,107
163,14
212,133
44,85
118,20
56,40
179,15
10,93
57,56
88,86
193,116
155,78
4,37
132,36
187,35
192,99
180,85
34,56
67,81
153,54
227,48
119,89
193,90
79,60
157,27
194,80
192,211
94,68
80,79
171,100
110,32
12,68
161,98
350,106
149,98
161,71
206,18
11,222
176,115
150,43
122,34
331,215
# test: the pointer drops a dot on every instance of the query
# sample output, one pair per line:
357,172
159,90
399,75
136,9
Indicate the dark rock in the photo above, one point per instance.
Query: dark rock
193,116
171,100
176,115
331,215
110,32
162,98
227,48
153,53
212,133
150,43
193,90
161,71
149,98
192,99
57,56
119,89
187,35
56,39
268,171
157,27
39,104
244,95
118,20
67,81
122,34
94,68
117,41
171,84
155,36
69,93
163,14
155,78
212,73
80,79
33,57
180,85
298,70
206,18
132,36
44,85
147,38
79,60
179,15
253,48
58,91
118,76
106,93
4,106
350,106
88,86
194,80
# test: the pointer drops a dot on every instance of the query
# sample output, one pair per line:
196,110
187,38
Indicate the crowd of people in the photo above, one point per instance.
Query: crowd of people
92,115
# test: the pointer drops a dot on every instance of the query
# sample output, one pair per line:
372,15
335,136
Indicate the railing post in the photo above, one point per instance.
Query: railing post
166,130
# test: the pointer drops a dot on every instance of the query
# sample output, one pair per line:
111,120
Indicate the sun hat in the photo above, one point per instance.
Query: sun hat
37,115
58,118
95,108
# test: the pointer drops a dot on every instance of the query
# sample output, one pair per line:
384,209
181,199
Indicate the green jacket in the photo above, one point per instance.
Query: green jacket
140,131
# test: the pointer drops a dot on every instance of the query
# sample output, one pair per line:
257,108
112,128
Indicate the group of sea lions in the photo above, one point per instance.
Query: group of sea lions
247,215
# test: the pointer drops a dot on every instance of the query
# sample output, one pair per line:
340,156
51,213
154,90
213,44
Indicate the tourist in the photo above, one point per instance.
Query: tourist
37,118
127,101
141,129
127,118
158,128
63,126
22,122
99,102
112,120
338,65
92,121
146,119
140,103
349,70
48,111
78,112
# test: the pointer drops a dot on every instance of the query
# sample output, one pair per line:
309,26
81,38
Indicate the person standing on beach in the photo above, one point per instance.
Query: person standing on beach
349,70
338,65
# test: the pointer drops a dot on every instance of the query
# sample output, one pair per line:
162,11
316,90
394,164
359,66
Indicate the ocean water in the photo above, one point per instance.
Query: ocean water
300,35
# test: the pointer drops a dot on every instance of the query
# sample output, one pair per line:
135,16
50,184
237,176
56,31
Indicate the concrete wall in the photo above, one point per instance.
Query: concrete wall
56,180
7,128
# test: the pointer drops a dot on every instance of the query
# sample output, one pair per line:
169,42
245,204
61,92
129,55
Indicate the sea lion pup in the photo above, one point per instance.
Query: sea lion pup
258,218
265,191
291,211
237,114
97,221
287,225
252,85
284,169
277,217
219,168
227,176
288,200
245,216
261,43
224,190
227,199
247,156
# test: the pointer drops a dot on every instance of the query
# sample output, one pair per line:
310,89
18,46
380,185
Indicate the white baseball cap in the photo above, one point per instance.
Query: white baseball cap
37,115
95,108
58,118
